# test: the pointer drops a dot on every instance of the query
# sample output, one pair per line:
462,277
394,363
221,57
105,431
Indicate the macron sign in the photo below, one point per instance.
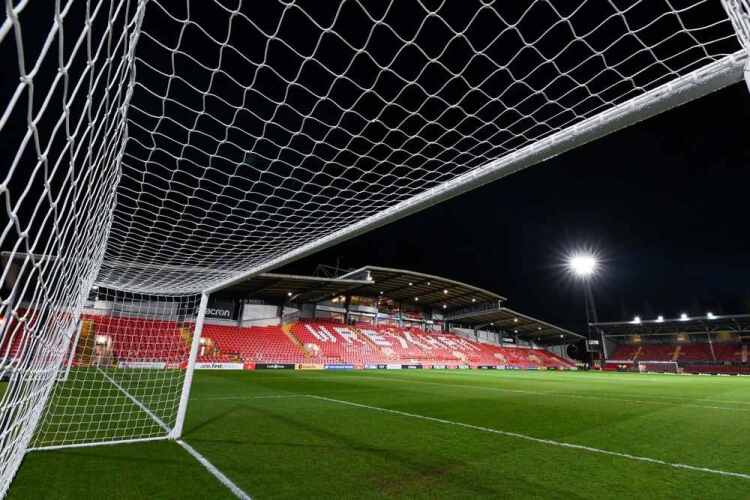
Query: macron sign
215,312
221,309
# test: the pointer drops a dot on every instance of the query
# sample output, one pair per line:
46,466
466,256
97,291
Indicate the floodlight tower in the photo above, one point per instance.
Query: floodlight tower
583,267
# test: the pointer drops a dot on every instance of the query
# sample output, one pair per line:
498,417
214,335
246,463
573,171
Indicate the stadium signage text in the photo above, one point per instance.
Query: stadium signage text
309,366
220,308
214,312
159,365
274,366
219,366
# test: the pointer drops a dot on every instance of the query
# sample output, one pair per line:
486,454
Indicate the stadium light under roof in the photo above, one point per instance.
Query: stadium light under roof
684,317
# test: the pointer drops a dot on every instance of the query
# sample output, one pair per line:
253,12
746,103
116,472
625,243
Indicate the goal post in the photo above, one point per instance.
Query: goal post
176,431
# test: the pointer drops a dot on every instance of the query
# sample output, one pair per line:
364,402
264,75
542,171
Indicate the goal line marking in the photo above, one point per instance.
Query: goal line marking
526,437
223,479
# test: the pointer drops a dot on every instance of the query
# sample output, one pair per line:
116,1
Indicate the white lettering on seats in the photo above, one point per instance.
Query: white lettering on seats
347,335
321,333
376,338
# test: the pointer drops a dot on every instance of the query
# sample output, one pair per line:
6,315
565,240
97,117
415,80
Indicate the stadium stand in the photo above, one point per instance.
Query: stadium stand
694,352
324,342
261,344
163,341
694,357
334,343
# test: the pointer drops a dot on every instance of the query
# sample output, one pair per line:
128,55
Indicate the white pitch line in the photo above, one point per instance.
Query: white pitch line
264,396
550,442
136,402
556,394
236,490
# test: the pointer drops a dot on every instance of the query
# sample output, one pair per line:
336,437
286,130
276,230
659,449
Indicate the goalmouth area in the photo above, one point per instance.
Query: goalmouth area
426,434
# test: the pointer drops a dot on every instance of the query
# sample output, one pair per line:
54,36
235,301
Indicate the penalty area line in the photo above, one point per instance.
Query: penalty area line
549,442
223,479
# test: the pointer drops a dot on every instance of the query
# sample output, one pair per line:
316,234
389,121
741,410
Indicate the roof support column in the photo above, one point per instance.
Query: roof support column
347,309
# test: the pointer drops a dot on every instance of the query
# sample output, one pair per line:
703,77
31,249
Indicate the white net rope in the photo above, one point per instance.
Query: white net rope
739,13
65,74
257,130
161,147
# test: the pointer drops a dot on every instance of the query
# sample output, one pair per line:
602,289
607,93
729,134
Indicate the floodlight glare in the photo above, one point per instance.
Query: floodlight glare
710,315
684,317
660,319
637,320
582,265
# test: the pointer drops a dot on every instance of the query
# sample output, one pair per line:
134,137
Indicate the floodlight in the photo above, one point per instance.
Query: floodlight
684,317
637,320
710,315
660,319
582,265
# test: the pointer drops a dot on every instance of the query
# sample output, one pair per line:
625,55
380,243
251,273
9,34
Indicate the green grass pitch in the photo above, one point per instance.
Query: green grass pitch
274,443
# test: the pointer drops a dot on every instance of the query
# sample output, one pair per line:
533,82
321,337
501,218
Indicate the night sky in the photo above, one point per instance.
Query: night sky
664,202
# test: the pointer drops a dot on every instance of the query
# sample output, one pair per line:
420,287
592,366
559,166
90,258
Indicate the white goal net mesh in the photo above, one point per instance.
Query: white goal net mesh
254,131
123,376
164,147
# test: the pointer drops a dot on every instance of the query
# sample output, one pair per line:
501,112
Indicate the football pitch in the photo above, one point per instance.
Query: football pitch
429,434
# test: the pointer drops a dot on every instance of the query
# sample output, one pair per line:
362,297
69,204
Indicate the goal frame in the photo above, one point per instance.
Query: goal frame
691,86
638,365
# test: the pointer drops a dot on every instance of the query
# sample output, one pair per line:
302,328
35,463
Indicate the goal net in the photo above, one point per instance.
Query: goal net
658,367
122,379
164,149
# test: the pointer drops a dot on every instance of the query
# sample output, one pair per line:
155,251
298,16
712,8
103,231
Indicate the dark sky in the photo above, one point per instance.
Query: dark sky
665,203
